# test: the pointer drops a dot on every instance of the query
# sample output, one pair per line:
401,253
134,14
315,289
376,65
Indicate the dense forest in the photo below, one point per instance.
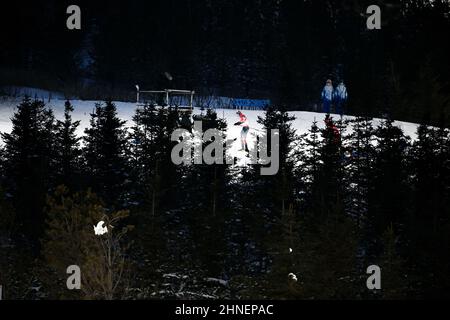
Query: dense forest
347,195
336,206
280,50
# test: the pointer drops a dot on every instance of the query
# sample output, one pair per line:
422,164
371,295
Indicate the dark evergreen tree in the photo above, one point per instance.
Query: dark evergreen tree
328,234
106,155
158,189
284,280
326,167
145,150
359,157
327,256
158,177
393,266
68,152
429,219
207,187
430,174
266,205
389,190
278,189
310,163
29,155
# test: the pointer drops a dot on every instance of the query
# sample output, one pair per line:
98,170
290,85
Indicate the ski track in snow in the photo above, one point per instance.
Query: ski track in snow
126,110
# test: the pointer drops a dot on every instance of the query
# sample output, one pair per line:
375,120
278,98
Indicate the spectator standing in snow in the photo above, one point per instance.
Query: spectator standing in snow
340,97
327,96
245,127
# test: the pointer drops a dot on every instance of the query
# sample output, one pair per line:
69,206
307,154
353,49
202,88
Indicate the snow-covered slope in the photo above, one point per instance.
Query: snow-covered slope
302,122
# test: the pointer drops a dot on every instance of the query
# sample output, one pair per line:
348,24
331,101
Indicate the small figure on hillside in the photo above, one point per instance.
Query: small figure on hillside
327,96
245,128
334,129
340,98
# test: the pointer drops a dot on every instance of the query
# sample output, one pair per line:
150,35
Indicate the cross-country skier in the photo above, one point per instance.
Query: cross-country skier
340,97
245,127
327,96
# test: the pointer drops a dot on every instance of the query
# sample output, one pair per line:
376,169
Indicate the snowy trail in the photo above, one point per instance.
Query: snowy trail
126,110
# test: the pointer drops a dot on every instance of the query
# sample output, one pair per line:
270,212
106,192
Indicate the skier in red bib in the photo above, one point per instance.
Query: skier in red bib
243,122
330,125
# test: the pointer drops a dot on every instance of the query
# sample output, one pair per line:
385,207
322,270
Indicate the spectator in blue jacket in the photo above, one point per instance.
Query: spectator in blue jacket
340,97
327,96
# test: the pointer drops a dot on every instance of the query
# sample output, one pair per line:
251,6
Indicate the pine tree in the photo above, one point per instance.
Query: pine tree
106,154
310,163
394,277
389,192
213,178
283,281
171,175
327,256
264,200
158,189
68,151
29,153
208,200
158,178
359,156
430,165
325,159
146,137
428,222
280,187
328,234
